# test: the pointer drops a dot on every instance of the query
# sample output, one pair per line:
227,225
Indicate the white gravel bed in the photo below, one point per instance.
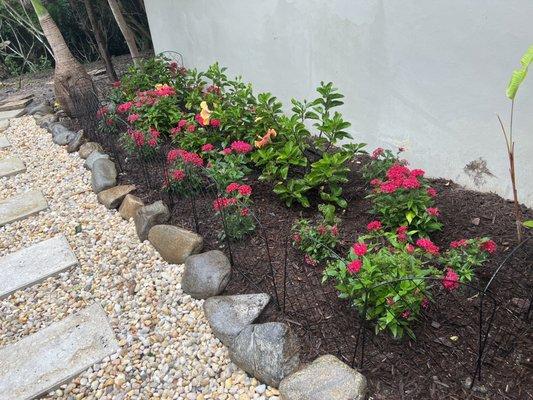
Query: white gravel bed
167,349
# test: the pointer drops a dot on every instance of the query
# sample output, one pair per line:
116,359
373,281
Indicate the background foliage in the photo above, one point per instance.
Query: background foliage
23,48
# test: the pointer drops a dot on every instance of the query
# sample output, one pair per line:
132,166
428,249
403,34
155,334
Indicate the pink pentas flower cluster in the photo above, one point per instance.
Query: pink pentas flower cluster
450,281
164,91
132,118
243,190
459,243
399,177
141,139
124,107
401,233
354,266
183,126
428,246
489,246
221,203
241,147
208,147
360,249
376,153
374,226
186,156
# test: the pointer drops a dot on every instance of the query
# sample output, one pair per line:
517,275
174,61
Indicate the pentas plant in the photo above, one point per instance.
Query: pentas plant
156,108
380,162
229,164
184,172
384,280
234,210
317,240
405,198
464,256
142,143
108,121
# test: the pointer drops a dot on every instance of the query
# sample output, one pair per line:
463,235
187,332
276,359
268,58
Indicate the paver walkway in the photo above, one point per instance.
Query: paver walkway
4,142
41,362
44,360
21,206
11,165
33,264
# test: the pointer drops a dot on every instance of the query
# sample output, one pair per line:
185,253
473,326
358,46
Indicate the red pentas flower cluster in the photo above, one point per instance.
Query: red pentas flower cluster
223,202
124,107
185,156
399,177
238,147
428,246
450,281
141,139
243,190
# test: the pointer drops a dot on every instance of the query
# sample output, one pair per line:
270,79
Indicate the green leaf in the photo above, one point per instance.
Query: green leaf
519,74
528,224
409,216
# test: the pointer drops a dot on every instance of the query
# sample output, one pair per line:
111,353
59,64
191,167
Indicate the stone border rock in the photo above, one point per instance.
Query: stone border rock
267,351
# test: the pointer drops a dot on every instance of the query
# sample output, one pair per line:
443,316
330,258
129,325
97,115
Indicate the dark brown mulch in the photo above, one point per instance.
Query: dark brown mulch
444,355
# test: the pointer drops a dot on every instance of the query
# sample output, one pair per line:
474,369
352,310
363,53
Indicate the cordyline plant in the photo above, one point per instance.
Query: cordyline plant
516,80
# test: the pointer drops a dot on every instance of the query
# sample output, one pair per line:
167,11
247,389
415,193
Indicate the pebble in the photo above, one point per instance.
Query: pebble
167,350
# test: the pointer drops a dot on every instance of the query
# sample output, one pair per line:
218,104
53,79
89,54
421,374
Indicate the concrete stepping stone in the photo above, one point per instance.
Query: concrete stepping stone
12,113
4,142
21,206
10,166
46,359
34,264
16,97
14,105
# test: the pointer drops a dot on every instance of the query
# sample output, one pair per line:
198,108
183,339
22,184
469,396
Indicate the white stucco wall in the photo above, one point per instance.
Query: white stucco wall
426,75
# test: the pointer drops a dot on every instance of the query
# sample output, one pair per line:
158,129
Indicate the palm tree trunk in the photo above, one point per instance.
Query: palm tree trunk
72,85
126,31
102,45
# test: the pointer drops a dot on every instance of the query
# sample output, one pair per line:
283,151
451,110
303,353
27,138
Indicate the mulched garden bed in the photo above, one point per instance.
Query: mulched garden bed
436,365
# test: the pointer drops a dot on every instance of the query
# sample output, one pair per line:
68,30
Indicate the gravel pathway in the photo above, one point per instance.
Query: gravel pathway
167,349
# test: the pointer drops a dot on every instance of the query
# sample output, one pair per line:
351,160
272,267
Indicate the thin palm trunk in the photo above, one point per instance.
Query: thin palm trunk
125,29
72,84
102,45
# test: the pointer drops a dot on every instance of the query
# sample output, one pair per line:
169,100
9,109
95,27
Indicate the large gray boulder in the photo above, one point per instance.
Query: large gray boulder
112,198
206,275
325,378
269,352
87,148
148,216
95,155
104,175
61,135
75,142
229,315
174,244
